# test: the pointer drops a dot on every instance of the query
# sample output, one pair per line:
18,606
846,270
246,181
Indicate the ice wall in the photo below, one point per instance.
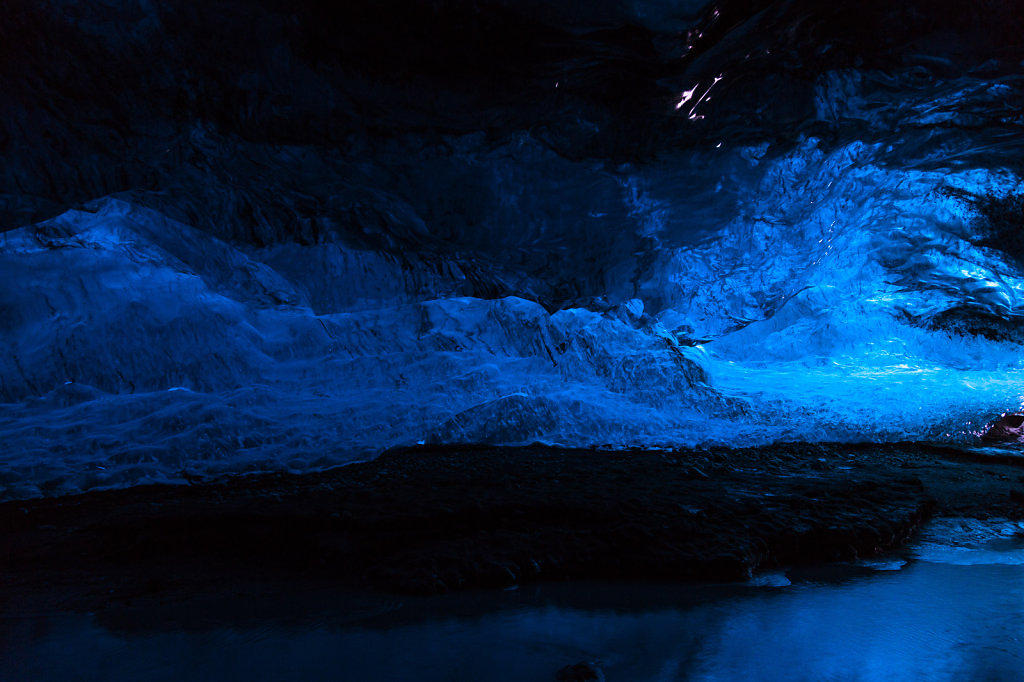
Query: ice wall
644,224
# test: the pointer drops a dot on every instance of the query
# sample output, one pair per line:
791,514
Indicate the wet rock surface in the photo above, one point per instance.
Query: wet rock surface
1008,429
433,519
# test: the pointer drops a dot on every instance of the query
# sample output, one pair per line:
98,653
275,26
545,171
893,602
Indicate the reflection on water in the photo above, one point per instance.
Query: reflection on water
927,620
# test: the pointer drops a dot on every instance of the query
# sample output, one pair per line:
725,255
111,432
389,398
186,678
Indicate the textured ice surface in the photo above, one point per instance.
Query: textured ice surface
142,348
650,223
968,542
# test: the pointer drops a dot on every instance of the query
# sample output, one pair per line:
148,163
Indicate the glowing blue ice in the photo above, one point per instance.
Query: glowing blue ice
748,296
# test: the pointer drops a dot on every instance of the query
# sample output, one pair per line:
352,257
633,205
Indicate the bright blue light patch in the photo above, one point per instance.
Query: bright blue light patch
748,296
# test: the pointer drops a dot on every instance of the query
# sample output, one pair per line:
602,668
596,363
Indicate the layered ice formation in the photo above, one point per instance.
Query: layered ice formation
668,224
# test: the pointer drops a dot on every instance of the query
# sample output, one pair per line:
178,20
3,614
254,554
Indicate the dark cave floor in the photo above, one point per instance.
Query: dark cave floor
434,519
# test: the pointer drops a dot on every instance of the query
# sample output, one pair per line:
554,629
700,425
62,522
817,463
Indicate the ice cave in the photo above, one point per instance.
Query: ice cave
511,339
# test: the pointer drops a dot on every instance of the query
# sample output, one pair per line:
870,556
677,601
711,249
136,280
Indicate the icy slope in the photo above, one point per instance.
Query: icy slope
367,224
142,347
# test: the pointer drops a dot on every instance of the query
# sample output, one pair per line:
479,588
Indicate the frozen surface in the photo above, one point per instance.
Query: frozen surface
970,542
653,224
143,348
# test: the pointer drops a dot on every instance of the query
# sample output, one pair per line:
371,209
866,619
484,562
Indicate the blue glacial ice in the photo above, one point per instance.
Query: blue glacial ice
277,259
143,347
